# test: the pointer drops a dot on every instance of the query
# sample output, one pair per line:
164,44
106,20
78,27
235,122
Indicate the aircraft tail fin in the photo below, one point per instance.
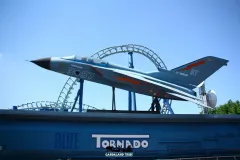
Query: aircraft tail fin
196,72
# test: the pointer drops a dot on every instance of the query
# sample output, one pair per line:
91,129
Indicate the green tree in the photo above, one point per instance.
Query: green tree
228,108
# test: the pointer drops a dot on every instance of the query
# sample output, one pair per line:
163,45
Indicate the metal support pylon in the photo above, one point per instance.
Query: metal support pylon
80,96
113,99
168,105
165,108
130,94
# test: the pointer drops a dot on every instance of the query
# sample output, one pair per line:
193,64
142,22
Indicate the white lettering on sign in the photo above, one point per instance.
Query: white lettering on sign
194,72
80,73
135,141
119,154
114,154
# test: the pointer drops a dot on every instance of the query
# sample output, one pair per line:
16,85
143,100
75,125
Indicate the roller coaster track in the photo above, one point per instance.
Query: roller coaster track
48,105
152,56
66,92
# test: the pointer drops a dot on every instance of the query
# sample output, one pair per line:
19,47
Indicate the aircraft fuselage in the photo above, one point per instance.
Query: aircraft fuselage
84,69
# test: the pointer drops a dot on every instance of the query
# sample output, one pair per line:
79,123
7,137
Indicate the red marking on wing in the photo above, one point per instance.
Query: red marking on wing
98,72
130,80
193,65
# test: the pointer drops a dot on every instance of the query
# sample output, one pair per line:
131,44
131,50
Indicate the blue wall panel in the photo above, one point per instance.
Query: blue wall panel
166,139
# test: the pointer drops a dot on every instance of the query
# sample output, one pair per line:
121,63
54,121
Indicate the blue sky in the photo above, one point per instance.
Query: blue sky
178,31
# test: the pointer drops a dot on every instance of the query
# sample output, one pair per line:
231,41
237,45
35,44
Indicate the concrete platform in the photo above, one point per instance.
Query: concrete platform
57,135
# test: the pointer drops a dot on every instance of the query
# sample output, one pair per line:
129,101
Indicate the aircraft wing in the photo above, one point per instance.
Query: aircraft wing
189,99
141,78
147,79
178,93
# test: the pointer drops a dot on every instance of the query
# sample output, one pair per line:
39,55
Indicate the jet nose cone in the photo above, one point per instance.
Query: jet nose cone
43,62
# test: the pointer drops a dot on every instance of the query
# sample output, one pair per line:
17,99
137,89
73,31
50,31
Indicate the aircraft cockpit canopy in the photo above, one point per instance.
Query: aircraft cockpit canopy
69,57
87,59
91,60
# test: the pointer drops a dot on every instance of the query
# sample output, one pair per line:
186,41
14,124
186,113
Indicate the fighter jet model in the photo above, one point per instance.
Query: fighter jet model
175,84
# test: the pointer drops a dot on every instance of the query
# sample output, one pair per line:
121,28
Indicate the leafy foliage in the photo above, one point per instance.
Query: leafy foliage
228,108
